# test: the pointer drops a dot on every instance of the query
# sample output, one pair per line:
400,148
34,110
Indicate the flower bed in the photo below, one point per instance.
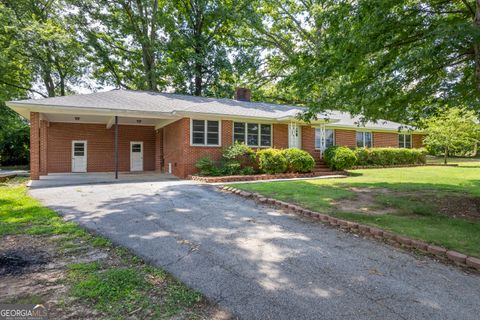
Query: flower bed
256,177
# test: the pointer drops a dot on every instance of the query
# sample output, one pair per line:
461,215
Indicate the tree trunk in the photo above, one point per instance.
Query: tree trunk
49,85
149,65
476,46
445,157
198,79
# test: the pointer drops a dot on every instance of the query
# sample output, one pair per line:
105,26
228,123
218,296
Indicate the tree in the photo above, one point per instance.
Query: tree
204,52
125,41
451,130
14,138
40,48
401,60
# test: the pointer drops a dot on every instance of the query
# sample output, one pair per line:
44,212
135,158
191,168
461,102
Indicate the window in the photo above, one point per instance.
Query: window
78,149
364,139
253,134
405,140
205,132
329,138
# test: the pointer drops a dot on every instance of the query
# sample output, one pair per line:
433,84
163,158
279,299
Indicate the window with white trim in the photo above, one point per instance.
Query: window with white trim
364,139
205,132
253,134
329,138
405,141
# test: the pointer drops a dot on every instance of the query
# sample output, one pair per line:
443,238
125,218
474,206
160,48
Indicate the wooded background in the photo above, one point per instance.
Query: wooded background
397,60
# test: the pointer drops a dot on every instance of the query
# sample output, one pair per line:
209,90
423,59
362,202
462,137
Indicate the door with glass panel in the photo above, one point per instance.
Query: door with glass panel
136,156
294,136
324,138
79,156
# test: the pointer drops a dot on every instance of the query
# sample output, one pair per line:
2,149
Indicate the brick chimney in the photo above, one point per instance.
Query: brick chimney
243,94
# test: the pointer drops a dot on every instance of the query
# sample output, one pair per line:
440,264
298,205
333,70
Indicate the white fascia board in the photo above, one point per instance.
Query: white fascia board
373,128
24,108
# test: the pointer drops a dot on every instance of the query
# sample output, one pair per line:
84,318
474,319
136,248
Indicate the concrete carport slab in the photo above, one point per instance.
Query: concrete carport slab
75,179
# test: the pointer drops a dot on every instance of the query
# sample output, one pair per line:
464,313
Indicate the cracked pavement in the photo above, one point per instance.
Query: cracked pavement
261,263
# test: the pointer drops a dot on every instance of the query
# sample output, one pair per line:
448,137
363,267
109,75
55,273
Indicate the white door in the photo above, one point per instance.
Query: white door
79,156
294,136
136,156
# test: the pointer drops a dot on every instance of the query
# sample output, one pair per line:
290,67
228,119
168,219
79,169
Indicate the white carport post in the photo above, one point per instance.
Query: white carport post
116,147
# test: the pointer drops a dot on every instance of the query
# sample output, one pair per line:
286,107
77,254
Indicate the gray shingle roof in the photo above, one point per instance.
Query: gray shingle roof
146,101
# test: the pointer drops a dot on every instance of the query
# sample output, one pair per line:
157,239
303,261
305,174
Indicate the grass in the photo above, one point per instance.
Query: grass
416,196
118,286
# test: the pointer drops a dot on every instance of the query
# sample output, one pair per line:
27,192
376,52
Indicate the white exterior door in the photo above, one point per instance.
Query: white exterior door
136,156
294,136
79,156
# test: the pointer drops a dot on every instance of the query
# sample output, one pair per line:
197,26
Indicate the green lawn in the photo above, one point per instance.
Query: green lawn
435,204
120,284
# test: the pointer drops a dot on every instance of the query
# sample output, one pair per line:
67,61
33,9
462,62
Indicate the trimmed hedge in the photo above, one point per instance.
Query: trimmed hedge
339,158
389,156
298,160
272,161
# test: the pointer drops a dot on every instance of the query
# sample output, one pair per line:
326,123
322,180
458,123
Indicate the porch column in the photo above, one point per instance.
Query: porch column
34,145
43,147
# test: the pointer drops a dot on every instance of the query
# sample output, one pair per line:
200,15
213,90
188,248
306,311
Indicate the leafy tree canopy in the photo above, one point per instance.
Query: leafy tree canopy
452,130
400,60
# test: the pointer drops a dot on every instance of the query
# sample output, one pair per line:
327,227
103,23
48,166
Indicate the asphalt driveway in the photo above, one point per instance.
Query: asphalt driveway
262,264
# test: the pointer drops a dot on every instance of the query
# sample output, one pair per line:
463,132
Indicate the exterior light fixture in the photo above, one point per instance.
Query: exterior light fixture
77,118
139,121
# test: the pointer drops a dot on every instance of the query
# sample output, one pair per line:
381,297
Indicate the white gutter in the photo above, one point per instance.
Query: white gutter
87,110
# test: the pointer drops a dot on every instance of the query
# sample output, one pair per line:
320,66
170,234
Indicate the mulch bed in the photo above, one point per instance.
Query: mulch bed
258,177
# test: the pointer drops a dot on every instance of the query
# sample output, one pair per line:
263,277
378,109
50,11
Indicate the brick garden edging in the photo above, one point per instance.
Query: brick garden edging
405,166
444,254
264,176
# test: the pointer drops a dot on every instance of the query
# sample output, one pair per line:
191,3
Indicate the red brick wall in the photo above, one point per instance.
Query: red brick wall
345,138
34,145
308,141
183,156
417,140
280,136
385,139
100,146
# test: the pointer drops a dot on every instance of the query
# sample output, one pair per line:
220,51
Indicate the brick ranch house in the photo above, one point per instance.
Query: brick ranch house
168,132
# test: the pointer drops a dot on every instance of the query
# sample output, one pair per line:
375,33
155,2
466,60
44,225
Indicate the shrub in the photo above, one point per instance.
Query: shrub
389,156
231,168
339,158
239,152
298,160
247,171
207,167
363,155
272,161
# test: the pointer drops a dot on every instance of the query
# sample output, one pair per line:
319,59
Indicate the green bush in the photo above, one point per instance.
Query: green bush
239,152
339,158
389,156
247,171
298,160
231,168
272,161
207,167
